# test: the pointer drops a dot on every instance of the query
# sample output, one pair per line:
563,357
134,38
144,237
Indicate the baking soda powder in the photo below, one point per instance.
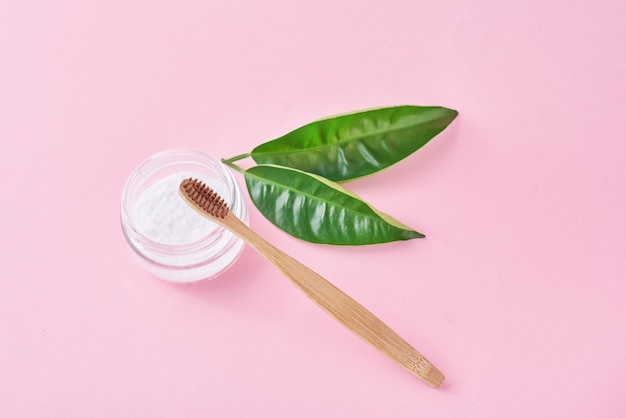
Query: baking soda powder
163,216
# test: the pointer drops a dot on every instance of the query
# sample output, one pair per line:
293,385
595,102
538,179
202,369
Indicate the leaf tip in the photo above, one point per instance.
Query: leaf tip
413,234
453,112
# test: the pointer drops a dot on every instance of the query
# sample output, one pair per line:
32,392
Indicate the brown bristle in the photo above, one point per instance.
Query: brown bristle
204,197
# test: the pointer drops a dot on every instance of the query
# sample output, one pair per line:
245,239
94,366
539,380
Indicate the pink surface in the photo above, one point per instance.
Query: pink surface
517,293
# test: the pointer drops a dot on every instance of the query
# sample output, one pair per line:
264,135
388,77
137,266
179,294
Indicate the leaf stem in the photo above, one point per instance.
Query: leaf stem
236,158
235,167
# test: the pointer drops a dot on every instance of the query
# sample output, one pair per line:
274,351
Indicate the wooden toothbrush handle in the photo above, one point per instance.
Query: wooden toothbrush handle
341,306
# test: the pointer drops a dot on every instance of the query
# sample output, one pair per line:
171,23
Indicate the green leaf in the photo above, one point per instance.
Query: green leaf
355,145
317,210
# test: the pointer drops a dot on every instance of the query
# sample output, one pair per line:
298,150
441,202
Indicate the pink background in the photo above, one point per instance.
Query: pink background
517,293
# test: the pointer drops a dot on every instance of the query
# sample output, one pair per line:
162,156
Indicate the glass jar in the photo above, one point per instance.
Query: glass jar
170,239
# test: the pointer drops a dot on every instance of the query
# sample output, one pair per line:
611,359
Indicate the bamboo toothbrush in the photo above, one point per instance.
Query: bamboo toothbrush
339,305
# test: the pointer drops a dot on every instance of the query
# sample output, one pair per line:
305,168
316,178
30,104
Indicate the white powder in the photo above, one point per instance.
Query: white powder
163,216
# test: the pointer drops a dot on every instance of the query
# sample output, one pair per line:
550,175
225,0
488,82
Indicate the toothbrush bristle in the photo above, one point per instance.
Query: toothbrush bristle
204,197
